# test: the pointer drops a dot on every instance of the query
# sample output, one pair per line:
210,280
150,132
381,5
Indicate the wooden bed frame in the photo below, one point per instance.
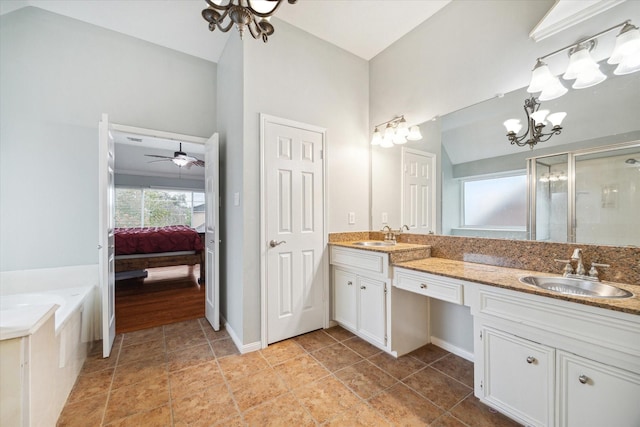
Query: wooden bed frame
142,263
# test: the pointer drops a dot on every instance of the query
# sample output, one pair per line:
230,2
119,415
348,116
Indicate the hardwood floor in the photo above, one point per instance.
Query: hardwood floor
167,295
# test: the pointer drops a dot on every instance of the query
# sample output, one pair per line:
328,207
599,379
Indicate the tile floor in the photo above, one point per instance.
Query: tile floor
186,374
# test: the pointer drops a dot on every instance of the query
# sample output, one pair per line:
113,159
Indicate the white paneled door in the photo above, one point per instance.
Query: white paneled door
293,222
418,191
212,246
106,241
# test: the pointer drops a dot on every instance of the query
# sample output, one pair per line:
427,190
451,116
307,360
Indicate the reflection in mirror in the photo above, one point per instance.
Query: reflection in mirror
475,142
471,144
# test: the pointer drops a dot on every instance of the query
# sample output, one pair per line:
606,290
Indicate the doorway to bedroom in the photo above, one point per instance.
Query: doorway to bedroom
160,188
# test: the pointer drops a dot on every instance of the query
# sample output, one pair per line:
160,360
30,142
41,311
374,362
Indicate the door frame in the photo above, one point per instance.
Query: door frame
264,119
144,132
433,157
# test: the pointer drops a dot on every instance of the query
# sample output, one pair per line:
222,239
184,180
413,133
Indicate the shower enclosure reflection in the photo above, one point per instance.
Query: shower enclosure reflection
588,196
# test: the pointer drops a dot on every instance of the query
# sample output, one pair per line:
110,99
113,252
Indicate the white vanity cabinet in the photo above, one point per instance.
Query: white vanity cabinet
518,377
548,362
364,303
360,280
595,394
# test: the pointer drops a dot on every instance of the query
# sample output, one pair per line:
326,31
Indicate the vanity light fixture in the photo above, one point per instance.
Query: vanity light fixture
251,14
583,68
553,177
536,122
396,132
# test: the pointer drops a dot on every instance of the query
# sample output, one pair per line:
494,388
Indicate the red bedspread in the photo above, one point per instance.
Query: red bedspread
149,240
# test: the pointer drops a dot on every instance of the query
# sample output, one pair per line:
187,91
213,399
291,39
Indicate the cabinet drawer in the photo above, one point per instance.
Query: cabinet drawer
360,259
430,285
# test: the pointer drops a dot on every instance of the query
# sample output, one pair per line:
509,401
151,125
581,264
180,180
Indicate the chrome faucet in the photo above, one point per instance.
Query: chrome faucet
388,234
580,271
577,256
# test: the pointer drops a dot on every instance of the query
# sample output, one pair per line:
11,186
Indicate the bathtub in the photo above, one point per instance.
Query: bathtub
17,308
44,339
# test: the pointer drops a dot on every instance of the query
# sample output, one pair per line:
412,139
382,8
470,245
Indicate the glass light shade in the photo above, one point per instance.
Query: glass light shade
414,133
402,129
556,118
563,177
627,44
580,62
399,139
180,161
553,178
544,178
589,79
386,142
513,125
377,137
539,116
389,132
553,90
541,77
629,65
263,6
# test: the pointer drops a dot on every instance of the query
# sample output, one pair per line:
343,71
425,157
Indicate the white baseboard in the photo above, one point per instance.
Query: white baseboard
452,349
242,348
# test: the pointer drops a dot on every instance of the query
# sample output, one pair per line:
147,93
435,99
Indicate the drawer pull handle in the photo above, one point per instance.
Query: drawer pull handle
423,286
349,283
363,287
583,379
531,359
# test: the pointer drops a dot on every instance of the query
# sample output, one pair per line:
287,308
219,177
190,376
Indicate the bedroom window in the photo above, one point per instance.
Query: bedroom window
144,207
496,202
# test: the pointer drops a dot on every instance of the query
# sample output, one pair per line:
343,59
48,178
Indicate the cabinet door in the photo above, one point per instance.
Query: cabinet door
372,313
518,377
344,298
594,394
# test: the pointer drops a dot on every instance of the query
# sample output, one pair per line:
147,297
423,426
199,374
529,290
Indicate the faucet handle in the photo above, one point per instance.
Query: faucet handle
568,268
593,271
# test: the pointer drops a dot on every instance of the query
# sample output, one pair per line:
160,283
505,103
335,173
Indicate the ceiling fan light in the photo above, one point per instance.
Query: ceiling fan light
414,133
180,161
627,44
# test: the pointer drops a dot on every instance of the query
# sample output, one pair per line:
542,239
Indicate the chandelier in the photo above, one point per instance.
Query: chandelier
536,122
396,131
582,68
251,14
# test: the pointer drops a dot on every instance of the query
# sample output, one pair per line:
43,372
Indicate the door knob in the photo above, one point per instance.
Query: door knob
531,359
275,243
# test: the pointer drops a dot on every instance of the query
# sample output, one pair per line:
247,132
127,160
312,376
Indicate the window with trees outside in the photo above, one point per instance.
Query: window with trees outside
496,202
144,207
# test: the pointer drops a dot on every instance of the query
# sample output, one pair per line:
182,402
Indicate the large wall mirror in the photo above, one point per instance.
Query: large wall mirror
594,158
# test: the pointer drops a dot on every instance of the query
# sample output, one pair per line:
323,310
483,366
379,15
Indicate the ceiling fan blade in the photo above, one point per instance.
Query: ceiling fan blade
199,163
168,159
155,155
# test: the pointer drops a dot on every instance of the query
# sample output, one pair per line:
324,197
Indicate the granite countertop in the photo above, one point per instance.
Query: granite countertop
400,252
508,278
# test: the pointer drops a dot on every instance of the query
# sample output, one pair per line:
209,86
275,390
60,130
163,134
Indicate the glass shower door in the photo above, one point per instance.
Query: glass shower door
607,197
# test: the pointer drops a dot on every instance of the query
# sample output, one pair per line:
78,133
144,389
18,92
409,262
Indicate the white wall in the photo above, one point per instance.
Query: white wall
231,132
57,75
300,77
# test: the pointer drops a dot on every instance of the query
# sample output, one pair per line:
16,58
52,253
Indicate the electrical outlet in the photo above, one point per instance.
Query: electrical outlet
236,199
385,218
352,217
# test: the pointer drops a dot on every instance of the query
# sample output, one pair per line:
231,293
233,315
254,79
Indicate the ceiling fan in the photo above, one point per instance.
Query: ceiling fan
180,159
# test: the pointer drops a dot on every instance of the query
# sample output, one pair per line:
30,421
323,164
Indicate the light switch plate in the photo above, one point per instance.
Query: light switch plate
385,218
352,217
236,199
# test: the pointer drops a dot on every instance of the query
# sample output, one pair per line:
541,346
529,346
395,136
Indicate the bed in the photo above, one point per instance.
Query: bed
137,249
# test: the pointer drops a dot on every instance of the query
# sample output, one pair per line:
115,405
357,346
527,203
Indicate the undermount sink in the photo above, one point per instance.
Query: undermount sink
572,286
374,243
